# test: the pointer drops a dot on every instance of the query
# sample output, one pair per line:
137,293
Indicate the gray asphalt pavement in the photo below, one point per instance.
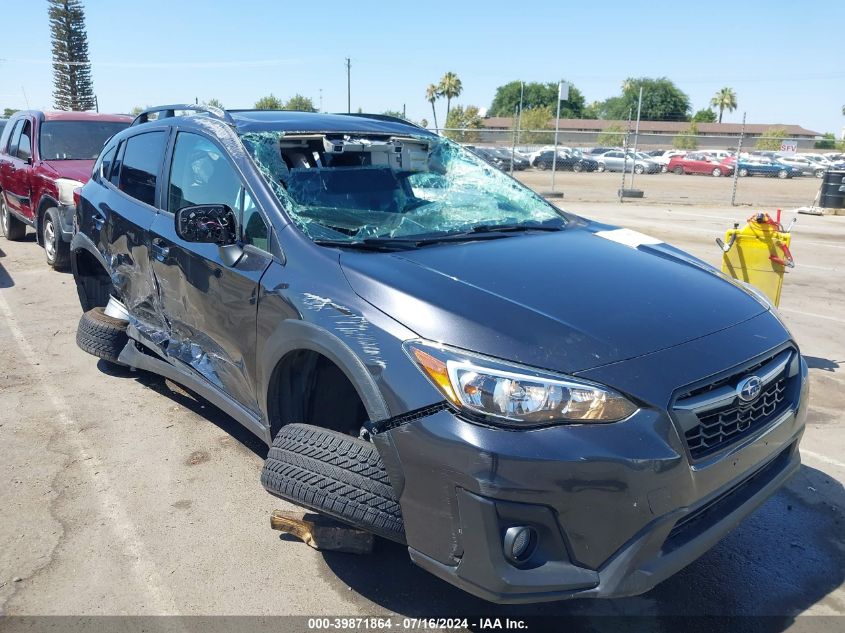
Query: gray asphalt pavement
124,495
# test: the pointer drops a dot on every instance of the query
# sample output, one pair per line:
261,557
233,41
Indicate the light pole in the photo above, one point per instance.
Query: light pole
348,86
562,93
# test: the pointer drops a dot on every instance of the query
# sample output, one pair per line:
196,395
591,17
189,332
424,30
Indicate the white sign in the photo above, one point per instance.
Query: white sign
789,146
563,91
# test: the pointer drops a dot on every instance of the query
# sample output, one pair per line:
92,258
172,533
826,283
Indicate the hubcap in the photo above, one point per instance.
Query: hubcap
49,239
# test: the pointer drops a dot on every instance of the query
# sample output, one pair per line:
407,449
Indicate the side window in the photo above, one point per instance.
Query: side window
103,167
25,143
114,176
254,227
141,162
15,137
200,174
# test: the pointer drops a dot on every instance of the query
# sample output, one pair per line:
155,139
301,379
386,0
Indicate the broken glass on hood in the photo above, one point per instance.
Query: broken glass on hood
346,189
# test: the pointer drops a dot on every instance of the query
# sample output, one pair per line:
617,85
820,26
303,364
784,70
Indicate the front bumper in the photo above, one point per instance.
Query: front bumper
617,508
66,213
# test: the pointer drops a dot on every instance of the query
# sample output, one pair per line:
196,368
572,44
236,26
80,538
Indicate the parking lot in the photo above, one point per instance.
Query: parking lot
123,494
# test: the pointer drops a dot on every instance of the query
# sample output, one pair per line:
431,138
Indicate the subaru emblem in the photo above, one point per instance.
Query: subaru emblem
749,388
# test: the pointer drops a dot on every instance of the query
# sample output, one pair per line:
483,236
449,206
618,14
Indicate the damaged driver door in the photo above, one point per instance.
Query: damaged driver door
208,254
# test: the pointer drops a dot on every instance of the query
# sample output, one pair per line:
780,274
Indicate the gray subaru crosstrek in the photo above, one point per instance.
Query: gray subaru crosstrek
538,405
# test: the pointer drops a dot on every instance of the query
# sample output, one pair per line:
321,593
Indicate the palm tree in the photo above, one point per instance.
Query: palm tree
725,99
432,94
451,88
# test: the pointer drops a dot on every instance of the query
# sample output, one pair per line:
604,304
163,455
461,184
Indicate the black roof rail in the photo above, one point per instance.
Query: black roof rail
383,117
166,111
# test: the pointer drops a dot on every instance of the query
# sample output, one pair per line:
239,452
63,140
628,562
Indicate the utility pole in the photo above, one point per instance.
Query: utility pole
561,89
348,86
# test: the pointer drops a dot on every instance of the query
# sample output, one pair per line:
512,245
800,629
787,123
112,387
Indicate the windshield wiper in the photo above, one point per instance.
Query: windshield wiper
516,228
368,244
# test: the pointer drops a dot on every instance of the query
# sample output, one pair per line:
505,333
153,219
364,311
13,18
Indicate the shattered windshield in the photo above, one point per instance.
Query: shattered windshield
349,188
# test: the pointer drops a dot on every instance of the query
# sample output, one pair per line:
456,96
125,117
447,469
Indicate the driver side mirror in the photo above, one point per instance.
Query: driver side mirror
207,224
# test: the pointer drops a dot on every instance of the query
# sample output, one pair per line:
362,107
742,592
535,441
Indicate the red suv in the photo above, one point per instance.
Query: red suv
44,156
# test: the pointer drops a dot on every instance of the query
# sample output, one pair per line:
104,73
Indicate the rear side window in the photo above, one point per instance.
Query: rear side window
114,175
141,163
103,168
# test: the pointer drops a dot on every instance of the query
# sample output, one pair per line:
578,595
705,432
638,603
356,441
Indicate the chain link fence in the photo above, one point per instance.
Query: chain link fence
766,178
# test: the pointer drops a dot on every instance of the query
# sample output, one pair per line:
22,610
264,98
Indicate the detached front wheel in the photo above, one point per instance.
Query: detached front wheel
335,474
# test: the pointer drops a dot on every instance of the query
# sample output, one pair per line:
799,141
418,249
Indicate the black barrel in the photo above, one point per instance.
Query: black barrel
833,189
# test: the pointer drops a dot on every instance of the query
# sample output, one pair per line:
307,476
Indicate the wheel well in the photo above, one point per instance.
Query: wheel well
93,283
308,387
45,204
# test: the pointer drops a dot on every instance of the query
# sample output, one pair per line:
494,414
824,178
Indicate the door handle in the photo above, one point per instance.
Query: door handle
159,249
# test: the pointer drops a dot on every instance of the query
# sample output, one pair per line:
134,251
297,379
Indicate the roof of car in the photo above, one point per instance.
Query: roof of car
314,122
60,115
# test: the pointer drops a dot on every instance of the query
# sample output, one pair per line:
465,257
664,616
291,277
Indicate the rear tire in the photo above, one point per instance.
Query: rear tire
716,172
576,167
542,166
639,169
743,172
601,167
334,474
678,170
55,248
12,228
783,174
101,335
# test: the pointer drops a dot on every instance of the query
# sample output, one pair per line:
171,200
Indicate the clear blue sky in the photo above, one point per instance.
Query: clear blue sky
784,60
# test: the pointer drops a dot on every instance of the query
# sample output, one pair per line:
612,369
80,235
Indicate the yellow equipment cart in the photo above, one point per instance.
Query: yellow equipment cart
758,254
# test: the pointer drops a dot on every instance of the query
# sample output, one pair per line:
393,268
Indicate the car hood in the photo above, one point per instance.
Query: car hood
74,169
568,301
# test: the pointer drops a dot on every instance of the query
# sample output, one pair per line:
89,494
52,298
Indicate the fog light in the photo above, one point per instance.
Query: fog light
519,543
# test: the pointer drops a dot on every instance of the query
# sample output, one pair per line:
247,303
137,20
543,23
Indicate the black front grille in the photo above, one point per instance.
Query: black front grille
721,427
712,416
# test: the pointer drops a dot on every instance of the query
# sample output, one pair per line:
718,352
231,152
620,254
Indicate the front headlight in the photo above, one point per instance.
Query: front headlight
515,394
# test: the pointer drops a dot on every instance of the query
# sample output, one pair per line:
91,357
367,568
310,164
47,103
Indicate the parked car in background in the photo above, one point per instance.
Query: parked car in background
699,163
718,154
519,161
2,125
500,158
762,166
44,156
806,166
594,152
663,156
568,162
616,160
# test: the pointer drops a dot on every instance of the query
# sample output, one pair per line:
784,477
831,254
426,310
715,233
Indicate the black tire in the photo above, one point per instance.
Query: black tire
678,170
577,167
601,167
639,169
744,172
101,335
716,172
334,474
784,174
12,228
55,248
819,173
542,166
